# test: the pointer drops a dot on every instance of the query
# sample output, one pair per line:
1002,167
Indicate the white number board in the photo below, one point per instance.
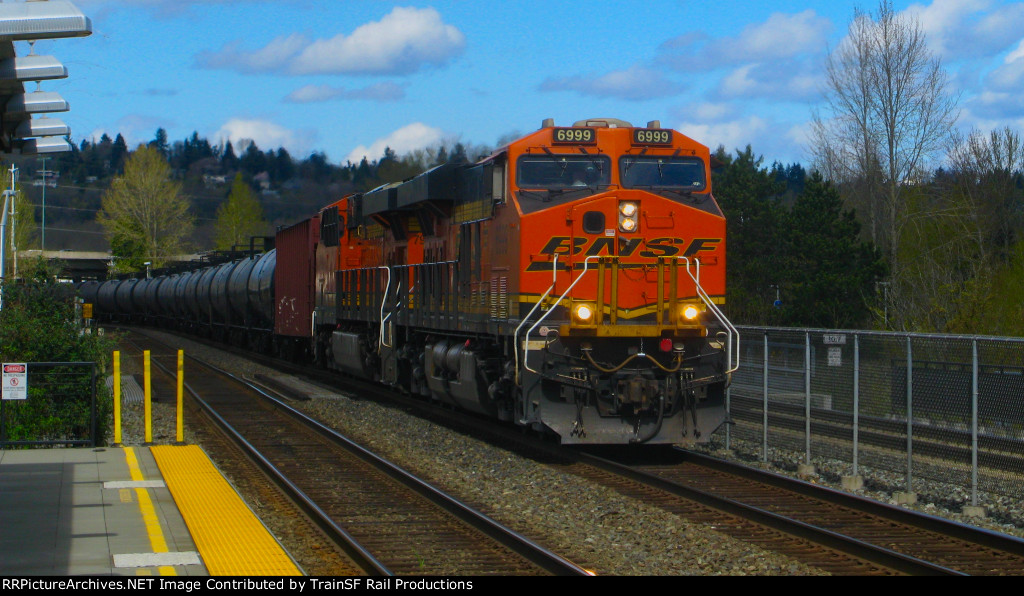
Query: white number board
15,380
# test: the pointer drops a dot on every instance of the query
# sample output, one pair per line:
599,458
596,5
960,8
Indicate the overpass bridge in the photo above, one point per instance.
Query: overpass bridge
82,265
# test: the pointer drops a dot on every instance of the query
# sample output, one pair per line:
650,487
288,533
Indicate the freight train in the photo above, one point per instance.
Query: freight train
571,282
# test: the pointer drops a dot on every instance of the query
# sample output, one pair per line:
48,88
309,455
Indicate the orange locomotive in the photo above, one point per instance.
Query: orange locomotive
570,282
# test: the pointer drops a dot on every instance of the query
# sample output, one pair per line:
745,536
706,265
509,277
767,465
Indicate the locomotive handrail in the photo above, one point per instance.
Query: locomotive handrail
515,335
526,349
731,330
384,300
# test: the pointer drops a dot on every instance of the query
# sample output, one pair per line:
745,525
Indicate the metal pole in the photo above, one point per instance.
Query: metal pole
8,198
147,406
180,434
14,237
92,409
3,245
42,237
117,398
764,409
910,416
728,427
807,397
974,425
856,398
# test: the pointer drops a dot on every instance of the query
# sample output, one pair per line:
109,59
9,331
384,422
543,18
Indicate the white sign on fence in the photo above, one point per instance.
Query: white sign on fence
15,380
835,356
834,339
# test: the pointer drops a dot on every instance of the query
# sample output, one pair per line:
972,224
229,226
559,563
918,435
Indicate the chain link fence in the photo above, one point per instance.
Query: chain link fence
937,408
58,408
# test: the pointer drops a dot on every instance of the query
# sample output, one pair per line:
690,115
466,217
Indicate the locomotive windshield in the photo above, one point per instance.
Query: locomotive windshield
685,173
554,171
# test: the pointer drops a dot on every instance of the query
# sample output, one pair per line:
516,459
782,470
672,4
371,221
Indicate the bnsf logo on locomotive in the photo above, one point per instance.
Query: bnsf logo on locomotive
652,248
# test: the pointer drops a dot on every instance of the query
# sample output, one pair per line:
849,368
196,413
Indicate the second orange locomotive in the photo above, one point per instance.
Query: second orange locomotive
569,282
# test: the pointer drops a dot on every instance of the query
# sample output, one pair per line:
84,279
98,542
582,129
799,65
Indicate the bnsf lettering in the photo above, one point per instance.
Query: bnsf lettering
701,244
661,247
652,248
560,245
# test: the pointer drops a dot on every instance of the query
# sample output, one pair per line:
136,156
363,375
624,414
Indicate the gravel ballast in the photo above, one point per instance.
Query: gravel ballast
589,524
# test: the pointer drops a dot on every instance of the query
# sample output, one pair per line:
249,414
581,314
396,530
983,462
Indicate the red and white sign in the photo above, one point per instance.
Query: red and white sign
15,381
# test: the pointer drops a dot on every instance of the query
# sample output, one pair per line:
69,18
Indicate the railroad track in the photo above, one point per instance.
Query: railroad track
854,536
996,453
389,521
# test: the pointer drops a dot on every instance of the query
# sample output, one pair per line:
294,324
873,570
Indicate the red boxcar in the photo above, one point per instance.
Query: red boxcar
294,278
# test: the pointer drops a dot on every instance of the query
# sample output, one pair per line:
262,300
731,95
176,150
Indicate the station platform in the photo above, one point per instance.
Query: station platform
161,510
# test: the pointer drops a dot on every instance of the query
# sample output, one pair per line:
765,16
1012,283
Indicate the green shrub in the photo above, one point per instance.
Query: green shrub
38,323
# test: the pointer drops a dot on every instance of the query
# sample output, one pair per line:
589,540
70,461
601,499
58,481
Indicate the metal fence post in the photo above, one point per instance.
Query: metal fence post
92,409
856,400
974,424
807,398
728,429
764,409
910,416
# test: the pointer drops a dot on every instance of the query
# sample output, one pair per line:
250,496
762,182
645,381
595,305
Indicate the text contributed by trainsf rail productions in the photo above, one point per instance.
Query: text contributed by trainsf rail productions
304,585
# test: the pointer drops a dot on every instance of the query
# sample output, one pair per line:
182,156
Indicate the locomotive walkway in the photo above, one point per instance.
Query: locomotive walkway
127,511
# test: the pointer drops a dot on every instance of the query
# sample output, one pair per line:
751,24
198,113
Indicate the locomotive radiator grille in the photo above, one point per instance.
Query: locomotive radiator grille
499,297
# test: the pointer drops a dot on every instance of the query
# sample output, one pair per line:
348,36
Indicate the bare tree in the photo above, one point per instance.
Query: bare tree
986,171
888,112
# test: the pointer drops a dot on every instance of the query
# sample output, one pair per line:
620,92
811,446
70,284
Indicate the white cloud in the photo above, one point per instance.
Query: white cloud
404,41
711,111
969,28
276,55
781,36
314,94
379,92
635,84
733,134
266,135
790,80
413,136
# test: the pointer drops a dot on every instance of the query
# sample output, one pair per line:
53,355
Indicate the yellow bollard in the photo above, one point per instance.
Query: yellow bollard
148,403
117,399
181,382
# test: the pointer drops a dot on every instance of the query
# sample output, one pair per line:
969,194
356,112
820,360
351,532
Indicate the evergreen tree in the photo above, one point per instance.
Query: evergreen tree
830,274
755,261
228,161
160,142
118,153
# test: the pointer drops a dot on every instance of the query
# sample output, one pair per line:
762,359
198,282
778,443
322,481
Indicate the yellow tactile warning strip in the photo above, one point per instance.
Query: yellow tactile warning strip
230,539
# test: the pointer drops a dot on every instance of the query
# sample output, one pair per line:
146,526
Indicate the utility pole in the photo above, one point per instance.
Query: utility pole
8,196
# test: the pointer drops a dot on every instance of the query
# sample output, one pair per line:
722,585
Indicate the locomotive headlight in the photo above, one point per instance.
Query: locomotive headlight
627,216
584,312
690,312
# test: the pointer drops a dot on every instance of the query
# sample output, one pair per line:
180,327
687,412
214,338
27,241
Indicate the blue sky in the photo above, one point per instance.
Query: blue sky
350,77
